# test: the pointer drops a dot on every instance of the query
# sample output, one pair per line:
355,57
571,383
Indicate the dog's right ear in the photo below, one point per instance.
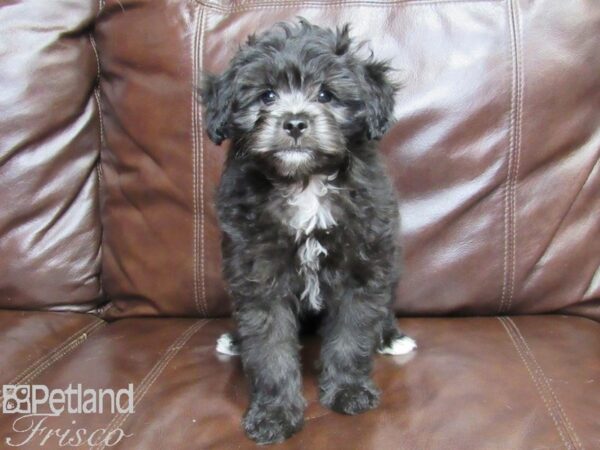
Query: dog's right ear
216,93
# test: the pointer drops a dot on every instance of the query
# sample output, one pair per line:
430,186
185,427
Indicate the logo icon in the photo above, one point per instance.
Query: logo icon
16,399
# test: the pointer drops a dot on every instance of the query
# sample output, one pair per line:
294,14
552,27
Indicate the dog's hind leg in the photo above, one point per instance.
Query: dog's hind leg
229,344
393,341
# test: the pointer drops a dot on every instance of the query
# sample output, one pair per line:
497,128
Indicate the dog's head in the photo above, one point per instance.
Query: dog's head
298,97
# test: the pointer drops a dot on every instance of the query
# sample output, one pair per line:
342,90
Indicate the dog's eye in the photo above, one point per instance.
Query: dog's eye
324,96
268,97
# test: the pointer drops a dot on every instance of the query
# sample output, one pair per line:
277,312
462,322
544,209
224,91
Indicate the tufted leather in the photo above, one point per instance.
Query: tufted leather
494,151
49,143
107,183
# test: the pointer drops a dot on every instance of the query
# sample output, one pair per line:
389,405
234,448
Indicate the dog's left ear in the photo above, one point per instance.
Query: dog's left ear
216,93
379,92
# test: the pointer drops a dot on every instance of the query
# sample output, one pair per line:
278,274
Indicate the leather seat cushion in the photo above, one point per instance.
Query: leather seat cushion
31,341
475,383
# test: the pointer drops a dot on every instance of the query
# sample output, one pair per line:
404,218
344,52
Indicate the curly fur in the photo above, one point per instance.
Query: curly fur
309,222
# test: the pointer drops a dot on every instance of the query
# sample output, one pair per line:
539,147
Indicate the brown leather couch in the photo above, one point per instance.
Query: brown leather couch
109,247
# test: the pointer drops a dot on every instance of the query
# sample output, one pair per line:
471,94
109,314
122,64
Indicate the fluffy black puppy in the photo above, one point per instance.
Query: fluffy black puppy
309,218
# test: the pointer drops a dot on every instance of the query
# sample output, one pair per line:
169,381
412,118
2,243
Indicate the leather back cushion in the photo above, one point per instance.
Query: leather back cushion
49,147
495,151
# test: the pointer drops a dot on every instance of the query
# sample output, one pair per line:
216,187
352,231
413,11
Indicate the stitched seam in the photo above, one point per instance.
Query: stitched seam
147,382
276,5
512,147
74,337
546,382
536,382
102,140
67,349
516,32
194,167
202,205
98,103
99,169
507,188
93,42
68,345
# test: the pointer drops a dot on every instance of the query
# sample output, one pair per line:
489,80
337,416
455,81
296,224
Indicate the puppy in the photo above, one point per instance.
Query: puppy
308,216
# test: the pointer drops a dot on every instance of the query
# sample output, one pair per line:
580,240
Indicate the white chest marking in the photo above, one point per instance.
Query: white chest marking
310,206
311,210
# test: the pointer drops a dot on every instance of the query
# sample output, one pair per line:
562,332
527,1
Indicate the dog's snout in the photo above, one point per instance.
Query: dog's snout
295,126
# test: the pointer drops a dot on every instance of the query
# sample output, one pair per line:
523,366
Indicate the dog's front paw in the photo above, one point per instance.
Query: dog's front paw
354,398
271,424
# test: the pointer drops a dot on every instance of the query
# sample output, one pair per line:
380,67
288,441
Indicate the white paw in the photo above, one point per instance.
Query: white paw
226,346
400,346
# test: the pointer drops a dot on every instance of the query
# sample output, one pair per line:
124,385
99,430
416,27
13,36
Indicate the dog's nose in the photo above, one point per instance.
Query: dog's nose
295,126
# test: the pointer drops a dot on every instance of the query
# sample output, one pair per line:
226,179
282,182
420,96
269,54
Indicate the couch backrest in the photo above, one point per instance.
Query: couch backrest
495,150
49,146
